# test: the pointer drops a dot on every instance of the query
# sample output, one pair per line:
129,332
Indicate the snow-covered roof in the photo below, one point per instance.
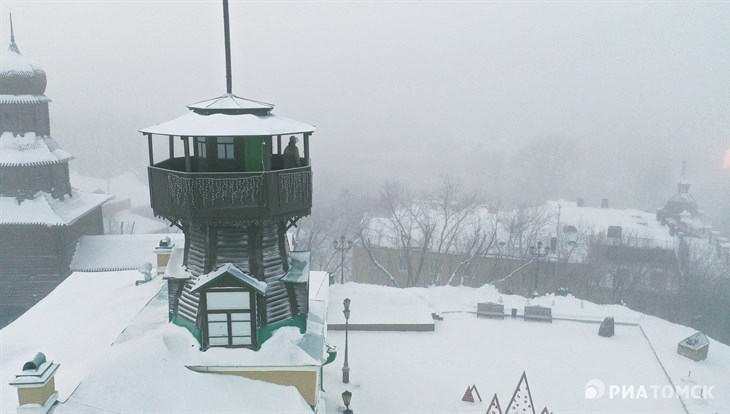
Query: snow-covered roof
228,268
46,210
216,125
127,185
118,353
429,371
30,149
118,252
17,64
19,75
231,102
23,99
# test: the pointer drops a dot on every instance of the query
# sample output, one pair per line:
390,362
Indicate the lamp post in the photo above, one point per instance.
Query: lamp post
343,246
536,252
346,366
346,397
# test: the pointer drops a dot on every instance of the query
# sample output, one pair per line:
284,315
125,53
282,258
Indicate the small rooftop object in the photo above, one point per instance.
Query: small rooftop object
538,313
163,251
490,310
607,327
36,386
146,270
694,347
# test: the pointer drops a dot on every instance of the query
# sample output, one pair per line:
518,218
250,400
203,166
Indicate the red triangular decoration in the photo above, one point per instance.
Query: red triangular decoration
521,402
494,407
468,395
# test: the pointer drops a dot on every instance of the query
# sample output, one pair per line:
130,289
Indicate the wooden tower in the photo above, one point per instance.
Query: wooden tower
41,216
234,191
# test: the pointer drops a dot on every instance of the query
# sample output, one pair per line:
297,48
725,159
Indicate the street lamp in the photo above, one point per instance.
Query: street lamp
536,252
342,247
346,366
346,397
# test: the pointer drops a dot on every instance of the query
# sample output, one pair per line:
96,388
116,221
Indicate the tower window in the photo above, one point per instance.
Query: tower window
201,147
230,319
225,148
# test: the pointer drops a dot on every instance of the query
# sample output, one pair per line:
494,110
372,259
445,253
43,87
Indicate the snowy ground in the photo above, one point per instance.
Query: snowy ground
429,371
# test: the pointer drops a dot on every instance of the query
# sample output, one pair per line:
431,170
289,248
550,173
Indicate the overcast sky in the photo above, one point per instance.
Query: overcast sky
524,100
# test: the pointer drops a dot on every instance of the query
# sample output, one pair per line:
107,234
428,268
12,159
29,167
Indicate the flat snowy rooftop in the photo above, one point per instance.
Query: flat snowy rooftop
118,252
430,371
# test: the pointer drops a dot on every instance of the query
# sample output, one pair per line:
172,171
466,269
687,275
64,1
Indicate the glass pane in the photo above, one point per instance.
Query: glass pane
218,341
228,300
229,151
239,317
241,328
241,340
217,317
218,328
226,140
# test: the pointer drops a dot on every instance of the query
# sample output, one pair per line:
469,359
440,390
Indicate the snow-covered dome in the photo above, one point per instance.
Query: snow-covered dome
681,202
19,76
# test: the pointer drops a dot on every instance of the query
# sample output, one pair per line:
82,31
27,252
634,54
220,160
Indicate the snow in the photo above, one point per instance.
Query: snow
634,223
23,99
638,227
17,64
232,270
429,371
46,210
126,185
118,252
62,326
230,101
135,223
392,306
216,125
30,149
119,353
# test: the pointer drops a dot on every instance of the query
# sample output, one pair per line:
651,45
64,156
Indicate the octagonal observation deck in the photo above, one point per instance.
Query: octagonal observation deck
233,169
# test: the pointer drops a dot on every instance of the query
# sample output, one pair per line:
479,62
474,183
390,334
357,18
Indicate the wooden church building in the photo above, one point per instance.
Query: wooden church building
234,190
41,215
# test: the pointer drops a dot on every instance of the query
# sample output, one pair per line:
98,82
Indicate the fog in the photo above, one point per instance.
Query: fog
524,101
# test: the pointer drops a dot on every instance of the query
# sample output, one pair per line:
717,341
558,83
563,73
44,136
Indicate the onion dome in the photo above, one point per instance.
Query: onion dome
682,201
18,76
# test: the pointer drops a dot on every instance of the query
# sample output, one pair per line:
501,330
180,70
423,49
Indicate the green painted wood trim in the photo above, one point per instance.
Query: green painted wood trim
331,356
197,333
264,333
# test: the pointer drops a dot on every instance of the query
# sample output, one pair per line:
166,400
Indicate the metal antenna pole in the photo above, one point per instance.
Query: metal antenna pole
227,32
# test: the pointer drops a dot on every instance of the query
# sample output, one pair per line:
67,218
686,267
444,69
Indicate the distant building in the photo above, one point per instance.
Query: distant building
41,215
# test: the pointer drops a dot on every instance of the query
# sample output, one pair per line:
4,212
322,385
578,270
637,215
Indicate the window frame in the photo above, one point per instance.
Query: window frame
201,147
226,149
229,319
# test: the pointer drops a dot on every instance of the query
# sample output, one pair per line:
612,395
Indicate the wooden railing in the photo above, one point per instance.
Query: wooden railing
230,196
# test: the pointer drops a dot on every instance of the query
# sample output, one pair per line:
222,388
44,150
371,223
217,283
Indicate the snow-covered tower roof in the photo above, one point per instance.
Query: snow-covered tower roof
682,200
18,75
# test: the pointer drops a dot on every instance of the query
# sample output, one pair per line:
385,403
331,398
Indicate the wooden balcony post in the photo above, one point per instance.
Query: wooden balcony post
172,147
149,144
278,144
306,148
188,164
